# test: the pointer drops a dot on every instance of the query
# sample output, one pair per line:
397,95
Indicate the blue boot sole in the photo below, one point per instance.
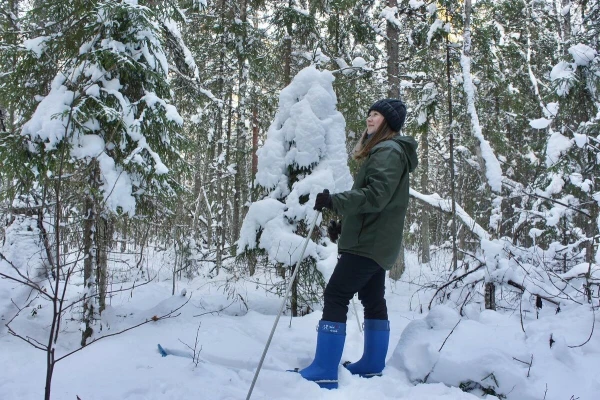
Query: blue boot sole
369,375
363,375
324,384
327,384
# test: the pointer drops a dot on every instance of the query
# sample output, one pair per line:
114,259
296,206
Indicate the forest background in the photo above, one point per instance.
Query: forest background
131,126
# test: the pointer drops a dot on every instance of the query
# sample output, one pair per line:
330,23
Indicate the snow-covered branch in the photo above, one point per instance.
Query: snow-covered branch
445,205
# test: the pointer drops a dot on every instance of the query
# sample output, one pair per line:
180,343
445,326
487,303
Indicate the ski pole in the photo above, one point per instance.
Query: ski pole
289,287
356,313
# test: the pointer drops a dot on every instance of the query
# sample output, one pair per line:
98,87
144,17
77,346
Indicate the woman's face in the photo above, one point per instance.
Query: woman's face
374,120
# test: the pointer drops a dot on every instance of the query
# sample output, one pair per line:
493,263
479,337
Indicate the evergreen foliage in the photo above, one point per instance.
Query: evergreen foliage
138,123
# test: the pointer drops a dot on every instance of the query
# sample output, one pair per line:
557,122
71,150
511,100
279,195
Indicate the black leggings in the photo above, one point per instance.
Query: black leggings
353,274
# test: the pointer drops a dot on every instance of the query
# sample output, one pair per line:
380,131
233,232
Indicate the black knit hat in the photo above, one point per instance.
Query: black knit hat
393,110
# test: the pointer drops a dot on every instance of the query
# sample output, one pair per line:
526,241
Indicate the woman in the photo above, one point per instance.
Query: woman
373,214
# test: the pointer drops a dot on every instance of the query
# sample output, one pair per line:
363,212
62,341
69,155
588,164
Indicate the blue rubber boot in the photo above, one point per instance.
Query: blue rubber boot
377,339
330,344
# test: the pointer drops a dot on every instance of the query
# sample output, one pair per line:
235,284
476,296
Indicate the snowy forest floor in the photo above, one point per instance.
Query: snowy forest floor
231,335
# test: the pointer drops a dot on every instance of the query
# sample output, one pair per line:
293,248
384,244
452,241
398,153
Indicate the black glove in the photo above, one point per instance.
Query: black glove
323,201
334,229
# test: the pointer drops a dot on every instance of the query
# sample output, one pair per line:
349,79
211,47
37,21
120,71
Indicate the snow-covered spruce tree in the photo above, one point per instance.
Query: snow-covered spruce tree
106,124
304,153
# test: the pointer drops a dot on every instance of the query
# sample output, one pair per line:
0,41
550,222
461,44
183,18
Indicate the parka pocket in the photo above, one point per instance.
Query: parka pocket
350,232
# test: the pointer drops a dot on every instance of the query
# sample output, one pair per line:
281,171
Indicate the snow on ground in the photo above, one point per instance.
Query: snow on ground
231,341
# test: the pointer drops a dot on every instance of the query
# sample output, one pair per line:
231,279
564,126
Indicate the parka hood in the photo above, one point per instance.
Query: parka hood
409,145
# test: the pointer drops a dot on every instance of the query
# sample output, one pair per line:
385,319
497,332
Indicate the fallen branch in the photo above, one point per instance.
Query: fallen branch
447,337
526,363
591,333
215,311
522,289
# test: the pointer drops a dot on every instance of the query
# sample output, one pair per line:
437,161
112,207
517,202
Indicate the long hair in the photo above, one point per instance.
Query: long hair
364,145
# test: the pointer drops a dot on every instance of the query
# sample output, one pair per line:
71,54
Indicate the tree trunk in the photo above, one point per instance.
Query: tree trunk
175,262
302,231
255,132
424,170
219,138
287,78
490,296
287,52
102,235
451,140
294,295
566,22
124,234
49,372
240,142
391,45
399,266
44,234
198,163
10,114
57,300
393,81
251,263
219,198
90,262
226,199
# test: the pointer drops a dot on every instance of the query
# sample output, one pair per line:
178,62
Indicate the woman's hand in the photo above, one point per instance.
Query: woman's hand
334,229
323,201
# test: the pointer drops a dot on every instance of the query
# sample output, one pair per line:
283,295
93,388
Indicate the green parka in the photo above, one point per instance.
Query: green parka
373,210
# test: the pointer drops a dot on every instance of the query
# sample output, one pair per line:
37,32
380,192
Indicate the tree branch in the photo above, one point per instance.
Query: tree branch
25,280
153,319
522,288
458,278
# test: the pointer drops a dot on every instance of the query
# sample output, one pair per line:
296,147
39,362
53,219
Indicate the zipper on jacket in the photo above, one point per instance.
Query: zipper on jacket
362,225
